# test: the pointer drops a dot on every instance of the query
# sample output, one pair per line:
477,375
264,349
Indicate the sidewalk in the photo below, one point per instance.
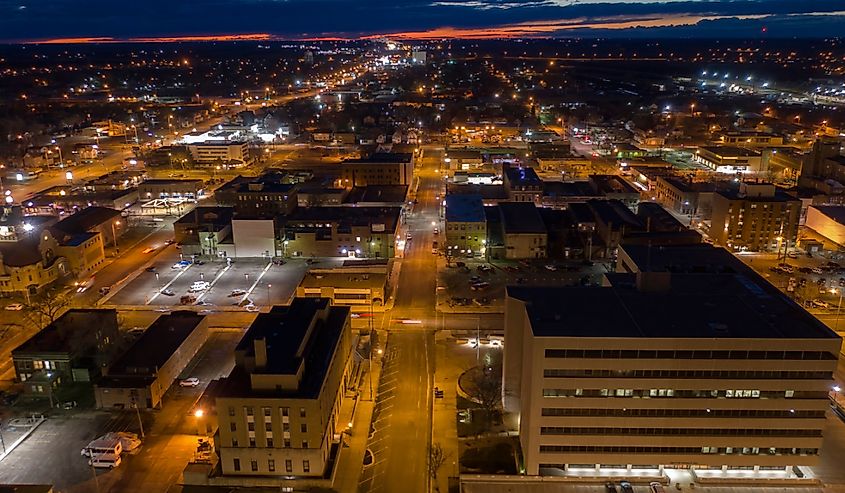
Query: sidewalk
444,425
351,456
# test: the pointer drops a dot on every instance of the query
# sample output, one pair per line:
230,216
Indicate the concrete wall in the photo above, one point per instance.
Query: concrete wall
825,226
254,238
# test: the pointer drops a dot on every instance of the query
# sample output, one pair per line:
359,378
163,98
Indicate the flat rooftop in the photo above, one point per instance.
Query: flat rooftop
690,306
291,342
70,332
378,193
835,212
157,344
730,151
521,218
465,208
382,158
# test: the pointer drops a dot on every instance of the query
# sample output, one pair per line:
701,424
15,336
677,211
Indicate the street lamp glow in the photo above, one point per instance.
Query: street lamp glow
198,413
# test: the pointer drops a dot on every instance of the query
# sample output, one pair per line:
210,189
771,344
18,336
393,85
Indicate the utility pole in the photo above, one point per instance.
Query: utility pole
140,423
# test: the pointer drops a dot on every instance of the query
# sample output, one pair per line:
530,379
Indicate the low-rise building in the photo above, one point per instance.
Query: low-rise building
462,159
523,231
522,184
466,225
264,197
377,169
755,217
72,349
278,410
203,230
67,200
104,221
224,153
730,160
367,232
141,376
751,139
361,286
33,262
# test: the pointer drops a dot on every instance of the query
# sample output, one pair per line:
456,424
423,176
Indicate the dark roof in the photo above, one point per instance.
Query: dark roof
75,239
86,219
170,181
700,258
522,176
655,218
26,488
221,216
612,184
465,208
568,189
290,344
521,218
835,212
613,212
22,252
383,158
490,192
378,193
157,344
70,333
692,306
345,217
779,196
730,151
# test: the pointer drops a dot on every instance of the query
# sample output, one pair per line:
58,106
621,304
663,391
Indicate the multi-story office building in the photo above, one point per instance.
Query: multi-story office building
698,367
755,217
223,153
278,409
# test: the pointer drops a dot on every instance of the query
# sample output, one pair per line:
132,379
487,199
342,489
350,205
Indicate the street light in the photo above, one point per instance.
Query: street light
268,293
114,235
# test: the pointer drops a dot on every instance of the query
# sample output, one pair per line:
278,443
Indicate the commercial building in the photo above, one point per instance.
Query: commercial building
264,196
72,349
367,232
653,370
676,194
730,160
361,284
202,230
462,159
67,200
104,221
225,154
755,217
522,184
750,139
143,374
524,233
377,169
278,409
466,225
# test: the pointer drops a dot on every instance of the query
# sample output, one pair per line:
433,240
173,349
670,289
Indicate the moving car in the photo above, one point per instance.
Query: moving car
189,382
148,250
14,307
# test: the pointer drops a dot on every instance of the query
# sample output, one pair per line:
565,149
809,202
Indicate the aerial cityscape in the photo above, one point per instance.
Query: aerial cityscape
454,247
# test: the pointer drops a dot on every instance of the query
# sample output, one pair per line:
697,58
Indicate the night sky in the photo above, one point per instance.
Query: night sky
26,20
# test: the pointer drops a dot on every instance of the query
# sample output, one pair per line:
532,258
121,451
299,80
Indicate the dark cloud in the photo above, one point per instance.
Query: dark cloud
27,20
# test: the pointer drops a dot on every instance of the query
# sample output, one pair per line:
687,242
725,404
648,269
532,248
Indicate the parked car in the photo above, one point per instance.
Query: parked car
656,487
819,304
150,269
14,307
237,292
189,382
168,292
626,487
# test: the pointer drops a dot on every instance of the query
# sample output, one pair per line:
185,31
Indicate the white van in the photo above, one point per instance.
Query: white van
103,446
105,461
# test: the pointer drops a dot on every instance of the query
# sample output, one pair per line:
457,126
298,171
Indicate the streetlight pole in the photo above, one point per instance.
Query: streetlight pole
268,293
140,423
113,234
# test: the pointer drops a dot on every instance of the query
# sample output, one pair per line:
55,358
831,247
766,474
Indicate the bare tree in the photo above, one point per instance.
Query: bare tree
45,308
483,385
436,458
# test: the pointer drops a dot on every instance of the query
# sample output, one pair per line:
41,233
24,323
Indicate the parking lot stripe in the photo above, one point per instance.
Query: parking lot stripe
257,280
213,282
158,292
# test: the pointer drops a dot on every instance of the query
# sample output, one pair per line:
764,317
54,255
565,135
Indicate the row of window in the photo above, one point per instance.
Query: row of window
691,354
267,411
676,450
271,465
268,426
686,394
268,442
701,374
683,413
589,430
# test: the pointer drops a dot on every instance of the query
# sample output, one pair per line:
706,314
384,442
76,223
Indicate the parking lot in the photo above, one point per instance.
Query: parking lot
474,284
165,283
52,453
